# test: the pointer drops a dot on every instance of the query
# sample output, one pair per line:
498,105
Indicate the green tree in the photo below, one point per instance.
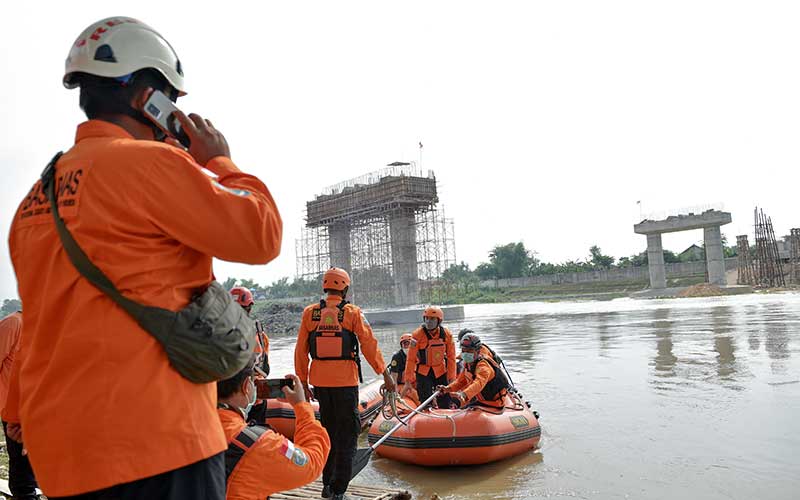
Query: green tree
512,260
598,259
10,306
229,283
279,289
671,257
486,271
459,276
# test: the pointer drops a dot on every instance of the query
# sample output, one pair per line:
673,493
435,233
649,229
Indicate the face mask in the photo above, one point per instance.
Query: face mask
468,357
252,396
430,323
405,351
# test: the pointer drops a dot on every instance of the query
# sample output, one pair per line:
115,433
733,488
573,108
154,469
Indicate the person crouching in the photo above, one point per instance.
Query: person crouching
482,379
259,461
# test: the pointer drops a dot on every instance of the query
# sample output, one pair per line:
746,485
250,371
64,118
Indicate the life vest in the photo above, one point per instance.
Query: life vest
240,444
497,386
435,352
330,340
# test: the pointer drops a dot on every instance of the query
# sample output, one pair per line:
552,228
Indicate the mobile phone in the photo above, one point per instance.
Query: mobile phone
270,388
161,110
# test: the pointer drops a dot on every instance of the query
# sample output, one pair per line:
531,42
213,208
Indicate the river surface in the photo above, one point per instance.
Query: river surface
673,399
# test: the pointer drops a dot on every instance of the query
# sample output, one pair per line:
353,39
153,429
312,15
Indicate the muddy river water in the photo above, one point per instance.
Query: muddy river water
682,398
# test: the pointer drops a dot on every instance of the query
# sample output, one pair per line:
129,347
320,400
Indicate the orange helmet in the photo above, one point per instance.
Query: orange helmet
335,278
242,295
433,312
406,337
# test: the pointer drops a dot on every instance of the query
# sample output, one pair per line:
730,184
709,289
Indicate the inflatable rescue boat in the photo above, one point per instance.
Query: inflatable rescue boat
473,435
280,414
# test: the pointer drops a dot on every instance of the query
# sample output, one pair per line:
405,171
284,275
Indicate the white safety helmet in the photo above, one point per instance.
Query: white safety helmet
118,46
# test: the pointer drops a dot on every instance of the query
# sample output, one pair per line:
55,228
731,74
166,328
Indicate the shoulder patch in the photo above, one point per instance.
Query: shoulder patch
238,192
293,453
394,362
299,458
316,314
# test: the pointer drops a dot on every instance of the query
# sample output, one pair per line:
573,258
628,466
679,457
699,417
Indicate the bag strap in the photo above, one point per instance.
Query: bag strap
239,446
76,254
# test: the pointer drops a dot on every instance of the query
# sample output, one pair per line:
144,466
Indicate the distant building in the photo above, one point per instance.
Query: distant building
692,253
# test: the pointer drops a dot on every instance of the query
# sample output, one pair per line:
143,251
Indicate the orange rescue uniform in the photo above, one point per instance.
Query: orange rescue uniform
472,386
10,329
336,372
420,341
274,463
100,403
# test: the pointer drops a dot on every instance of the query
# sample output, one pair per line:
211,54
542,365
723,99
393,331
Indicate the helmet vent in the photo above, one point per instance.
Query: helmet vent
104,53
178,67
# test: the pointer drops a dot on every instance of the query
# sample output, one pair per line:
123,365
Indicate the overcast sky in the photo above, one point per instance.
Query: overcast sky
543,121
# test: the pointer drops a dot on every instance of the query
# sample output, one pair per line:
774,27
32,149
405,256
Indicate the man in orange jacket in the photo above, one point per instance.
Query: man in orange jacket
244,297
482,378
101,408
259,461
331,332
21,480
431,358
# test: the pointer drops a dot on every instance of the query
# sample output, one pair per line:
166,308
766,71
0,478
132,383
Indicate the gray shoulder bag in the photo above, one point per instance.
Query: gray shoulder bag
210,339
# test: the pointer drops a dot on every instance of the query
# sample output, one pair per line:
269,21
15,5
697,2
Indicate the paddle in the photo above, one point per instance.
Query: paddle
362,454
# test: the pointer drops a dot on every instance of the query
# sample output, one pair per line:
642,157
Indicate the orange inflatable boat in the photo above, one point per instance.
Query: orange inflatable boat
280,414
474,435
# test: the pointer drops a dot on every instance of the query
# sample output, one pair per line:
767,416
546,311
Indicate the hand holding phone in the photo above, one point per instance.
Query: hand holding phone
272,388
195,133
206,141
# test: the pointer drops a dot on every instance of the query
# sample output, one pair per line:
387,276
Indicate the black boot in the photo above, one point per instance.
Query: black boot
326,491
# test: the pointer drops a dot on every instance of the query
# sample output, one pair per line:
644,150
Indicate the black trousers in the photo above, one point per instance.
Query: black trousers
202,480
338,410
426,385
21,480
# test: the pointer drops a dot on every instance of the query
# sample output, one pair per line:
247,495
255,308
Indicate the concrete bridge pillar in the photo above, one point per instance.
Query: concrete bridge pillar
655,260
403,233
715,261
339,246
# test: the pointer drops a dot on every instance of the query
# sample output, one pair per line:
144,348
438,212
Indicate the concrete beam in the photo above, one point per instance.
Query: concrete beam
715,261
710,218
655,262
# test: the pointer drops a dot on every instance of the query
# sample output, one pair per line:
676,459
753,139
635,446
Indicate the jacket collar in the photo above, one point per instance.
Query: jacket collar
99,128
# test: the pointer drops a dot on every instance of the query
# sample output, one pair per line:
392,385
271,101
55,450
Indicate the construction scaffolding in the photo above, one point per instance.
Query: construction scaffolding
746,271
794,256
769,270
385,228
